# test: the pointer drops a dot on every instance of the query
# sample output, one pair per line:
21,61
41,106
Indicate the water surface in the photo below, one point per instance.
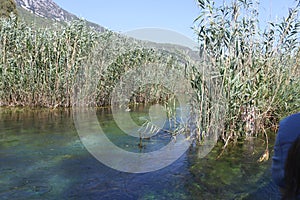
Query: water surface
42,157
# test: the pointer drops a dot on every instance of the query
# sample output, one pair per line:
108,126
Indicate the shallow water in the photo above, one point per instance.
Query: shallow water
42,157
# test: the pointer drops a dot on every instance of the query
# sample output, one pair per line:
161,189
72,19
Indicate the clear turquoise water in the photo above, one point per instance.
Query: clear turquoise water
42,157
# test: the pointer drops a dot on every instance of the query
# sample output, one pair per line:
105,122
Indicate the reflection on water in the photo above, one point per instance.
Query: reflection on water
42,157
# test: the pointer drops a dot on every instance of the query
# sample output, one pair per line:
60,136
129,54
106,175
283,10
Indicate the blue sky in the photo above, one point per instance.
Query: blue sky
126,15
176,15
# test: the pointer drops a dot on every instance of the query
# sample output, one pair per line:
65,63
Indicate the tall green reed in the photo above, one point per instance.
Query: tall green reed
251,76
63,66
38,66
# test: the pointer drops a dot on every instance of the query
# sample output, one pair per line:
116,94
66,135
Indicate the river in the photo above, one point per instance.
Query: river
42,157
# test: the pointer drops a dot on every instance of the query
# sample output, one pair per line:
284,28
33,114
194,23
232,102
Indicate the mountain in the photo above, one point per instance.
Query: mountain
48,9
45,12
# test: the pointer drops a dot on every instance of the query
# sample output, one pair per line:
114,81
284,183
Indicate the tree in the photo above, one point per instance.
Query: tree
7,7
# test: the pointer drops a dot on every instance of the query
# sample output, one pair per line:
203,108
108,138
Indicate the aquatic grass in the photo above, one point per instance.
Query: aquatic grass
38,66
234,175
247,80
75,66
46,67
252,74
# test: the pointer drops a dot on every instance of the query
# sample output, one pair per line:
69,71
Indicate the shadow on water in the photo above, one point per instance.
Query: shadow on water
42,157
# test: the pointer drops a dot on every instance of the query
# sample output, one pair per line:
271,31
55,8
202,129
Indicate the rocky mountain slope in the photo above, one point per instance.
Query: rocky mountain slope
48,9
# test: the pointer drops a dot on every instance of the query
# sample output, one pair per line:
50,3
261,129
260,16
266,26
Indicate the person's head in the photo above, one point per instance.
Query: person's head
292,171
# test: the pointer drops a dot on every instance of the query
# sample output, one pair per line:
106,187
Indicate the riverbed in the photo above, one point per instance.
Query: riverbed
43,157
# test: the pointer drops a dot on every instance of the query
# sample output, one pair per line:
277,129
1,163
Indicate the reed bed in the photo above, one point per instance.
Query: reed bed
38,65
250,78
247,81
67,65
